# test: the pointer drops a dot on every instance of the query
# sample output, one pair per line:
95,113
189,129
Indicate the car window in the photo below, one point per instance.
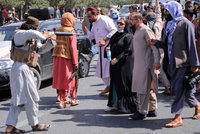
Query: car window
7,34
124,9
55,24
49,27
2,35
78,27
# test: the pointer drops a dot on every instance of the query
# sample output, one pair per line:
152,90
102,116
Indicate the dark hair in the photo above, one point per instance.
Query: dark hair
133,7
68,10
188,11
187,4
25,26
151,7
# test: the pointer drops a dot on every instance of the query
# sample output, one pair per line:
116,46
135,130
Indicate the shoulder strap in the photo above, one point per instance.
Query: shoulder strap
153,27
32,44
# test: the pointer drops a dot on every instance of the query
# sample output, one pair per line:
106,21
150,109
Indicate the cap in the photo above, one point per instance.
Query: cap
32,20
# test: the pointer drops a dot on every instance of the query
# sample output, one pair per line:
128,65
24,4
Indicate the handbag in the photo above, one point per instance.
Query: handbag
28,56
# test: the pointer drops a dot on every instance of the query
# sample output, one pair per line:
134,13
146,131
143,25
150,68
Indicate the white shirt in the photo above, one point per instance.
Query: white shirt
102,27
21,36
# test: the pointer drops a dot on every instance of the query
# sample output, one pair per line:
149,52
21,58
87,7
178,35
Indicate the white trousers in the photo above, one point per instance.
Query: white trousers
31,109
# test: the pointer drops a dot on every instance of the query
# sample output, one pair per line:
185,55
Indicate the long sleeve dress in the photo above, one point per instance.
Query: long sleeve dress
121,73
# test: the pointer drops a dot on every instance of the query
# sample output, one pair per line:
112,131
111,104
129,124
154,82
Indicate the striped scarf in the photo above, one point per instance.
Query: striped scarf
175,10
171,26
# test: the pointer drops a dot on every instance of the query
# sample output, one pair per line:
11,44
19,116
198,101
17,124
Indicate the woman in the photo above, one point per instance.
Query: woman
65,61
22,82
121,66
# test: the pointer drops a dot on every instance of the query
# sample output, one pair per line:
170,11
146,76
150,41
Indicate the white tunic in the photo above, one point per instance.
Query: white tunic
22,82
102,27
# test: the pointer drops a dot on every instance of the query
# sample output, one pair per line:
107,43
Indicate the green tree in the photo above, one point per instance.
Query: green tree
54,2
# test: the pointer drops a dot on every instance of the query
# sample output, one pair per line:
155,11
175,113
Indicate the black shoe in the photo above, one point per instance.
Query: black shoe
137,116
152,113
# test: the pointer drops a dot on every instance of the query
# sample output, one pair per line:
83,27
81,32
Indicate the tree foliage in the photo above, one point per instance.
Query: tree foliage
18,4
11,3
66,3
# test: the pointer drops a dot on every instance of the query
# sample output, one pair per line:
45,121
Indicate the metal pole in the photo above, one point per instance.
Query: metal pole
100,53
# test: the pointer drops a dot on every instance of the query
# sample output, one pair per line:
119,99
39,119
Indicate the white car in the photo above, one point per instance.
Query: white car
5,62
124,11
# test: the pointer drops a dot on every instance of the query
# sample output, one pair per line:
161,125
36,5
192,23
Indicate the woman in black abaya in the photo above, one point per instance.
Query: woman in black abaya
121,65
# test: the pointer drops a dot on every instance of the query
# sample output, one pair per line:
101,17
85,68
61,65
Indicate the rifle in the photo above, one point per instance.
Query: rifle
75,75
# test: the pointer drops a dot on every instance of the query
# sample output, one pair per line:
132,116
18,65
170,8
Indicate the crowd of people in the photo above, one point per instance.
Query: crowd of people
8,16
143,50
155,43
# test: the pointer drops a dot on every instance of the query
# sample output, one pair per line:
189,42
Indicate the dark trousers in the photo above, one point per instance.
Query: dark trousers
181,94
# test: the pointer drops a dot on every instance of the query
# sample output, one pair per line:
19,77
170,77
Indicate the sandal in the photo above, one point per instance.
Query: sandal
41,127
64,105
68,100
16,131
74,102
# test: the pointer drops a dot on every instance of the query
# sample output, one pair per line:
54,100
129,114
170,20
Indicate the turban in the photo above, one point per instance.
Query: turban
92,9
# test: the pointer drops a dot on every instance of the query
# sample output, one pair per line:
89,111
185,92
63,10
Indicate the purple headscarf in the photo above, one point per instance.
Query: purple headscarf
176,11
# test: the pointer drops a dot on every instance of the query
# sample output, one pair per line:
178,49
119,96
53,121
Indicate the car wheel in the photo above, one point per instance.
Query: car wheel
37,77
83,68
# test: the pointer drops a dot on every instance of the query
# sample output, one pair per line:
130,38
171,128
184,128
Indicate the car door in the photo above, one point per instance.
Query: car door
46,59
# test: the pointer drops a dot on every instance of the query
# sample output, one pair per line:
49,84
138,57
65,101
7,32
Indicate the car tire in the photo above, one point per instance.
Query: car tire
83,67
37,77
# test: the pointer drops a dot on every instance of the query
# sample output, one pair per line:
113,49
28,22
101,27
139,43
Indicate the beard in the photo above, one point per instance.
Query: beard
91,21
168,17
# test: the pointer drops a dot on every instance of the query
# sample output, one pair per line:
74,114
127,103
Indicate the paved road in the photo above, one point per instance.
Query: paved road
90,118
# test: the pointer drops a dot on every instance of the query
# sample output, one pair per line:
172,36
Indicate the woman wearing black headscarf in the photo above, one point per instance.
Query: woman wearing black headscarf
121,66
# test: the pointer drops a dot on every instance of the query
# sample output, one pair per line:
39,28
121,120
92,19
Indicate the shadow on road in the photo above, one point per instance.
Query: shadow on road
98,117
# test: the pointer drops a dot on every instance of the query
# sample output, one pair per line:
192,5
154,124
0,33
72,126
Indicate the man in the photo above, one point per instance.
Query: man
188,13
133,8
23,87
11,18
180,48
102,30
188,5
144,56
155,22
57,13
